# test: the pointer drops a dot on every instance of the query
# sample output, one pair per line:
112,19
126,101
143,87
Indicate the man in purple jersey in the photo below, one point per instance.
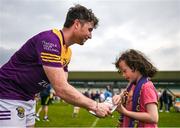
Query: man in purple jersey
44,59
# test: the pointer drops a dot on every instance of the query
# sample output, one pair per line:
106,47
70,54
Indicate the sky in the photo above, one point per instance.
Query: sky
150,26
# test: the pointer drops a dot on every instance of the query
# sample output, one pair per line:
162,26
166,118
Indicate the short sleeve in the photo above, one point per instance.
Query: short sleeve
66,68
48,49
149,93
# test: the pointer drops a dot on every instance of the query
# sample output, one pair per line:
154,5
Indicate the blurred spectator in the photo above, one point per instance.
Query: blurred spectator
170,101
101,96
56,98
160,98
165,100
97,96
93,95
45,96
75,111
108,92
87,93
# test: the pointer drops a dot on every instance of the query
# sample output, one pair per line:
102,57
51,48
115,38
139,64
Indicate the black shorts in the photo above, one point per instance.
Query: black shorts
45,100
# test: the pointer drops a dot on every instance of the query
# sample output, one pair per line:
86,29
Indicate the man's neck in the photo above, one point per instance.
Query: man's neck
67,32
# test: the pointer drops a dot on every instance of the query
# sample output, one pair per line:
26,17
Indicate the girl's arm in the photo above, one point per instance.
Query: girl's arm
151,116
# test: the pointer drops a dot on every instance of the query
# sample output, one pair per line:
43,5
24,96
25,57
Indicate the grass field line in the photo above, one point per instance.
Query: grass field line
95,122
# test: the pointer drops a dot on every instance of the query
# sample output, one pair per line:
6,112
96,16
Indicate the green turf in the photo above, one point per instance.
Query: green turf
60,115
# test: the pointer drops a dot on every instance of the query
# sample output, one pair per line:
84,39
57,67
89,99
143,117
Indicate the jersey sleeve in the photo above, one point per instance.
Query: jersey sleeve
48,49
66,68
149,94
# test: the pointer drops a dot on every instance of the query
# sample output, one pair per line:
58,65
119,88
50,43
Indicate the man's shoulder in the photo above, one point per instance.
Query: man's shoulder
47,38
46,33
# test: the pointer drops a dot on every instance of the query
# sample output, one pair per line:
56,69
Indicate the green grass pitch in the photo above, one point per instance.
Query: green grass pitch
60,115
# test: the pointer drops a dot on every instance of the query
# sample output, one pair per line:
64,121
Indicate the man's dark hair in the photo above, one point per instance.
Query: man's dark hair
81,13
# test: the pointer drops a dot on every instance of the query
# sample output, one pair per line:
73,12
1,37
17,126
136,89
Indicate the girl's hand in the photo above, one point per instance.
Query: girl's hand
116,99
120,108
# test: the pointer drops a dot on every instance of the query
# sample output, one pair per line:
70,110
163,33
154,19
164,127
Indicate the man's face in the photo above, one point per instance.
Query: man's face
83,32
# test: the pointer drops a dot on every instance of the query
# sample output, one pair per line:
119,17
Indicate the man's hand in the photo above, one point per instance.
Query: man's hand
103,110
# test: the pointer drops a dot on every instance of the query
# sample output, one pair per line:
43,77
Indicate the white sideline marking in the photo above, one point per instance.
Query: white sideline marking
95,122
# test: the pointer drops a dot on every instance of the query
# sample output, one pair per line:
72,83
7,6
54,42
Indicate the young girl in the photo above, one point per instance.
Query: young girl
138,104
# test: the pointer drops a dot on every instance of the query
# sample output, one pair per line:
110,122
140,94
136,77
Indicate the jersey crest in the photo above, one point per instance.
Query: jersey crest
20,111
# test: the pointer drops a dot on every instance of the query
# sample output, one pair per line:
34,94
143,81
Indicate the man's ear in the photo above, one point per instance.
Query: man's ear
76,23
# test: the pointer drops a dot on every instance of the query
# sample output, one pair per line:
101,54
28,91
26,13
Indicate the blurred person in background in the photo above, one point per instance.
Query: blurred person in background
108,92
101,96
46,96
160,98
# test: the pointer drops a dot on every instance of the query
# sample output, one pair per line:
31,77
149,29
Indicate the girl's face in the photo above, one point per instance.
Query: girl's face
127,72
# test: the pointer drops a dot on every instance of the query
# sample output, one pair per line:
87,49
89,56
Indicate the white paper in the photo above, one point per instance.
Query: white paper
110,103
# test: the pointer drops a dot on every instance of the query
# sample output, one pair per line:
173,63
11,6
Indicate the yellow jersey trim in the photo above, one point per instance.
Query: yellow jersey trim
49,54
65,51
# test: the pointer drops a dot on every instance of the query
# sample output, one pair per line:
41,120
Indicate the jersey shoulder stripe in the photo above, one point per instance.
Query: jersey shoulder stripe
47,57
65,51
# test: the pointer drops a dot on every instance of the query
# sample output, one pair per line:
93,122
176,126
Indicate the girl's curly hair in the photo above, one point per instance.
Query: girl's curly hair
136,60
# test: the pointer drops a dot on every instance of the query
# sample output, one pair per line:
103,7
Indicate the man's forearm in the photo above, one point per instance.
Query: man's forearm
73,96
58,79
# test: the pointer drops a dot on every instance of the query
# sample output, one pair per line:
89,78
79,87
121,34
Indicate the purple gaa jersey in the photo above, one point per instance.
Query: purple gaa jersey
23,75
